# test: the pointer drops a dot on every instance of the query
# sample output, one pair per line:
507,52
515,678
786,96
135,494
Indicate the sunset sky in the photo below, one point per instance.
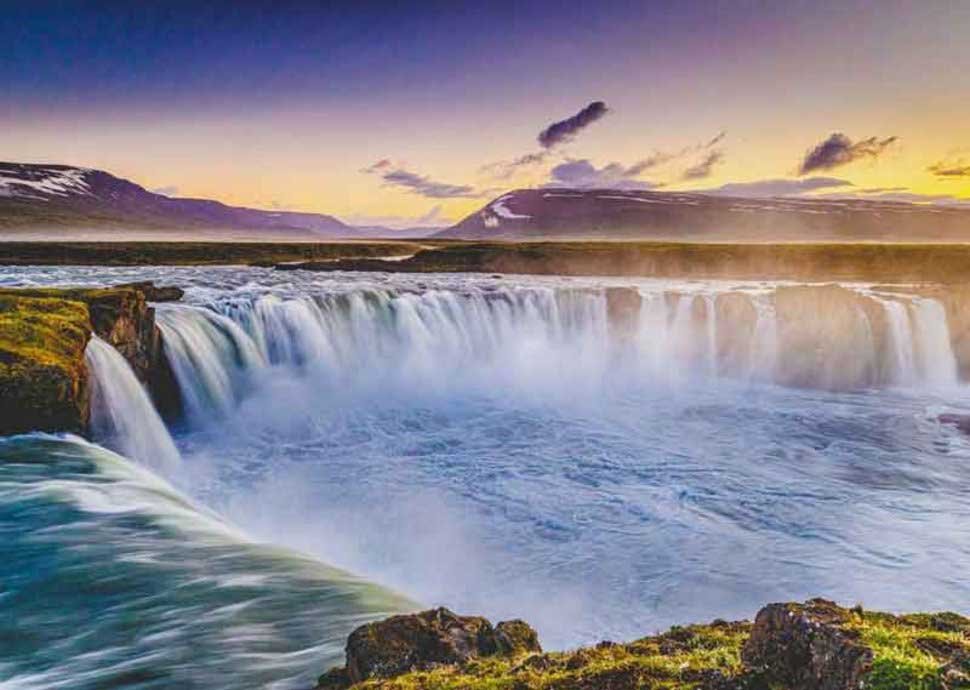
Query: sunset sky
407,112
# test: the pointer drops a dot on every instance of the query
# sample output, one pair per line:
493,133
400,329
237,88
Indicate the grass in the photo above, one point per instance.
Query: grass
914,652
681,659
42,372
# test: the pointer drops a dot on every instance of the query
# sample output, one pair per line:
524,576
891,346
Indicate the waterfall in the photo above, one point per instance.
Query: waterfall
937,362
122,415
550,339
901,345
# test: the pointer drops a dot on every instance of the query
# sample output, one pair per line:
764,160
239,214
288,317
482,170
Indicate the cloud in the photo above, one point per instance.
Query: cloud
170,190
581,174
703,168
503,170
839,150
564,130
951,169
398,176
776,187
433,218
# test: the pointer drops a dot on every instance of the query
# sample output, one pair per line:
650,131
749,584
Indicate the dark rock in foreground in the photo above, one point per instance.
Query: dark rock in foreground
817,645
807,647
425,640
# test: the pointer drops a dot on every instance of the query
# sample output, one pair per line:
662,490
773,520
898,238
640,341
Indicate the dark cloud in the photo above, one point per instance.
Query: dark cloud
951,169
564,130
171,190
839,150
581,174
703,168
777,187
396,176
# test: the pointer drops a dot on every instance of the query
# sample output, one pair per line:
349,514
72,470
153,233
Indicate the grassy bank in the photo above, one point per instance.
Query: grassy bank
191,253
948,263
817,645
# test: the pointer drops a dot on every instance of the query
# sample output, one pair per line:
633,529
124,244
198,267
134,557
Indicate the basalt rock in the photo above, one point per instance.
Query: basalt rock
43,377
421,641
812,646
808,647
44,381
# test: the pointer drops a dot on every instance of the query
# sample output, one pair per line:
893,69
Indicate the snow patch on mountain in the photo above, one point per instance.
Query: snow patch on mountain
40,183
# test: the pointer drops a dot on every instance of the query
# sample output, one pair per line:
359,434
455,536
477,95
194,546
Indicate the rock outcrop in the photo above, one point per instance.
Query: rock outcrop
43,378
424,641
807,647
817,645
44,382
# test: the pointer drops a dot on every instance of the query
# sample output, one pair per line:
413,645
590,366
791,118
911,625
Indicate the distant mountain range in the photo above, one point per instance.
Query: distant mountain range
530,214
65,202
76,203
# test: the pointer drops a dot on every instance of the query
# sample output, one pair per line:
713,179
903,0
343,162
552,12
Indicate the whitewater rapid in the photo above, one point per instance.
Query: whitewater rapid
600,457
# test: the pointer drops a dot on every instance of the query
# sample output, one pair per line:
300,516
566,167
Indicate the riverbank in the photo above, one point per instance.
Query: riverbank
817,645
44,379
872,262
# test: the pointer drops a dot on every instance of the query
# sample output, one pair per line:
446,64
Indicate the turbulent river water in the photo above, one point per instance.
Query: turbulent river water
545,448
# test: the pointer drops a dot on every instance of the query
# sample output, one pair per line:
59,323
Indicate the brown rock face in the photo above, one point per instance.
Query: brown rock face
804,647
423,640
123,318
44,380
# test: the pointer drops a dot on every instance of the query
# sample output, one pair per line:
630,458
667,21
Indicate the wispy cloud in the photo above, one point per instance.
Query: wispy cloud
705,166
170,190
839,150
777,187
397,176
435,217
564,130
951,169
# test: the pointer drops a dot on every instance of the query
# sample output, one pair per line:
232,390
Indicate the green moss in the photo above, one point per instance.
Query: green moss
42,341
678,660
914,652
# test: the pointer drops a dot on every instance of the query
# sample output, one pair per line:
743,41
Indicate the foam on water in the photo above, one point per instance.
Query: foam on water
517,447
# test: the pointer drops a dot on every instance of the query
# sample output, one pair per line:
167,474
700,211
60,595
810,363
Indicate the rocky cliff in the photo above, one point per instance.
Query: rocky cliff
44,382
817,645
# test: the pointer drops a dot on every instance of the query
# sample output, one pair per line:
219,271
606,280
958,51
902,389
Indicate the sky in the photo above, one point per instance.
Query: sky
404,113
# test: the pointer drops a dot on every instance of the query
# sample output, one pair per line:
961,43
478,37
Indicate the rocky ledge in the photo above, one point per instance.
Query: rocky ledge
44,381
817,645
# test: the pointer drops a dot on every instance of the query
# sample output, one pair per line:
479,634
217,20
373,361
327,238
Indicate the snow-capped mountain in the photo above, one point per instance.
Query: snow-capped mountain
621,214
68,199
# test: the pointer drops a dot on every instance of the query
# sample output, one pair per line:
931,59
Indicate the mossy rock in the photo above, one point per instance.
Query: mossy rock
43,377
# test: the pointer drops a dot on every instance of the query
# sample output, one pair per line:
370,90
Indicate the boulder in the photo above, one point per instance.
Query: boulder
807,647
421,641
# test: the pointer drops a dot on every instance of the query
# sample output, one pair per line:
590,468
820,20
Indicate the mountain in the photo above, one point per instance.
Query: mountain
529,214
72,202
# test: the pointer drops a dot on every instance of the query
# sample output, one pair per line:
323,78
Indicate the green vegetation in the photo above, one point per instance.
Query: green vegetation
42,373
791,647
192,253
683,658
894,263
916,651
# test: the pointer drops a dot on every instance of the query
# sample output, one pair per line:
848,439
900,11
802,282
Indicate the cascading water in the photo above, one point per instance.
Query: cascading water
122,414
541,339
601,458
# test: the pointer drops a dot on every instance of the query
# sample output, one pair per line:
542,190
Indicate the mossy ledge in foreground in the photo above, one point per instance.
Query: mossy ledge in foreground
44,380
817,645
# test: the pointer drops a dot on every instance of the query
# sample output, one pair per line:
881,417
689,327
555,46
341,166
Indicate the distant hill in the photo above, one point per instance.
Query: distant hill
71,202
530,214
